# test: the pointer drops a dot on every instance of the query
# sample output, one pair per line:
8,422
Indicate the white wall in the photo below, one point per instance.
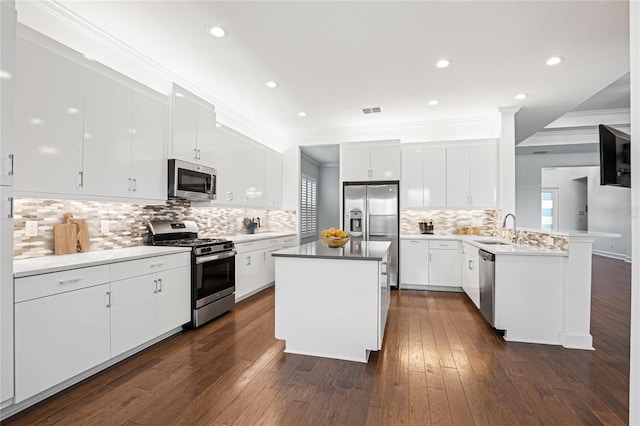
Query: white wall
529,181
609,207
329,197
572,195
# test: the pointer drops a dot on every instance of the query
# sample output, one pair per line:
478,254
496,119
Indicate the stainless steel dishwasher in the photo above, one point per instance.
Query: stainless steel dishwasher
487,285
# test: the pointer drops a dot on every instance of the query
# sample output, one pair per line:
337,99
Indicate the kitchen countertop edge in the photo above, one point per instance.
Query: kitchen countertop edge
48,264
244,238
375,250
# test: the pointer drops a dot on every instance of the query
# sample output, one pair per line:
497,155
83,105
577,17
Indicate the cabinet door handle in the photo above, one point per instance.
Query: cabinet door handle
80,179
129,184
159,285
10,200
108,299
198,154
135,184
10,169
69,281
429,257
195,154
155,265
470,264
248,260
155,286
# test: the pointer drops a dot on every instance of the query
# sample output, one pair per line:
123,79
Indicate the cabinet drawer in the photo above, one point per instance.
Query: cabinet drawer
134,268
288,241
255,245
443,244
42,285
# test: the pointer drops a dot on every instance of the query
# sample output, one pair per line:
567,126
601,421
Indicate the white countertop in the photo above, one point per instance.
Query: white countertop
572,233
48,264
476,240
243,238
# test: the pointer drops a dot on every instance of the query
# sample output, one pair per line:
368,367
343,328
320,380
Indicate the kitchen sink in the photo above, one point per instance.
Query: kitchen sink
495,243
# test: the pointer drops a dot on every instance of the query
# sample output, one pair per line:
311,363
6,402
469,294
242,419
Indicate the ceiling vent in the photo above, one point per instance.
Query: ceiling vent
371,110
544,151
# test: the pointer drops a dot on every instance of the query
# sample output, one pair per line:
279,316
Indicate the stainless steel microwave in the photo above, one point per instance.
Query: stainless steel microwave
191,181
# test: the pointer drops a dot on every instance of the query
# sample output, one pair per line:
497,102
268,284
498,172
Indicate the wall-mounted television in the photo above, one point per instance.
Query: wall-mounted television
615,157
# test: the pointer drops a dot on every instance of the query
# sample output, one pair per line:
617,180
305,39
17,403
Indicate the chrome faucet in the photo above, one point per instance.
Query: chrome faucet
514,239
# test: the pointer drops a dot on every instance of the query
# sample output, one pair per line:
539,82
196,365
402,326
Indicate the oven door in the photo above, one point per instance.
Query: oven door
214,277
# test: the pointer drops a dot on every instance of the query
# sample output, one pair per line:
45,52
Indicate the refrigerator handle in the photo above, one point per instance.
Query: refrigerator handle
365,235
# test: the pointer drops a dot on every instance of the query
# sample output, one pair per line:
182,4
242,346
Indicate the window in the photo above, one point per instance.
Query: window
308,207
549,212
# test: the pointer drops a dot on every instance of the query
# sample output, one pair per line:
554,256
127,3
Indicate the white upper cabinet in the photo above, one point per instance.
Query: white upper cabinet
248,170
472,175
85,130
370,161
193,128
49,121
149,147
274,180
424,177
124,140
107,137
7,86
184,127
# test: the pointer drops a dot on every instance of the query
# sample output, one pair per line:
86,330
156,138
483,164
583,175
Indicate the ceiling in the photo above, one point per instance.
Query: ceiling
331,58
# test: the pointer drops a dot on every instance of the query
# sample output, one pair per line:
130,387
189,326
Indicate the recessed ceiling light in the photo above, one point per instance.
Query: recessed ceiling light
442,63
433,102
521,96
302,114
72,110
217,31
35,121
554,60
271,84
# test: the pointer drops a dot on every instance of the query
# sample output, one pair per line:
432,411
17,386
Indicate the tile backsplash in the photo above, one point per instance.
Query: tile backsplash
128,222
448,221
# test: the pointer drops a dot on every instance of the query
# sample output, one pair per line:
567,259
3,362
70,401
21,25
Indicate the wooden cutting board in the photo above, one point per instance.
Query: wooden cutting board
65,238
83,235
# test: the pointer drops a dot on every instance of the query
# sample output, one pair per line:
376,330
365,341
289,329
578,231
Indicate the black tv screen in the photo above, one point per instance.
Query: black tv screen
615,157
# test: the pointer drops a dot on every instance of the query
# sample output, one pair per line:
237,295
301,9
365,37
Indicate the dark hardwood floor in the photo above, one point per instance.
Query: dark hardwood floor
440,364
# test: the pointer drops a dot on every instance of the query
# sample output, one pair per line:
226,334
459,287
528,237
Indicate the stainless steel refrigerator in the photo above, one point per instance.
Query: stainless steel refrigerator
371,212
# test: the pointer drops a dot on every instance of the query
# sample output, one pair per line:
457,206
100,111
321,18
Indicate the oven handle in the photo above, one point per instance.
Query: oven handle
226,254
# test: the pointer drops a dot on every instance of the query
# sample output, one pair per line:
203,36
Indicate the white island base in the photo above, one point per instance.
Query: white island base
331,307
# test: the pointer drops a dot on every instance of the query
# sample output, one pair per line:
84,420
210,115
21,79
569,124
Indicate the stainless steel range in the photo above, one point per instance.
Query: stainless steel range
213,267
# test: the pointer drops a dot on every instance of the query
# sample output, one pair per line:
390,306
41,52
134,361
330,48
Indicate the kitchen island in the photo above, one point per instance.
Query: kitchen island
332,302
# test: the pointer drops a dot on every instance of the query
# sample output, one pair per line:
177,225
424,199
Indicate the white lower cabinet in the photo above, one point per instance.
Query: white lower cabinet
71,321
470,273
444,263
58,337
414,263
429,264
255,267
148,298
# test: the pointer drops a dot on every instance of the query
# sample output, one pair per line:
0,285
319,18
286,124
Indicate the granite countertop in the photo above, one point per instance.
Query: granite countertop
48,264
572,233
508,248
359,250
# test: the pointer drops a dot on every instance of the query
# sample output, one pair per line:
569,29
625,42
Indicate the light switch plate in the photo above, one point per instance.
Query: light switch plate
104,226
550,240
31,228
